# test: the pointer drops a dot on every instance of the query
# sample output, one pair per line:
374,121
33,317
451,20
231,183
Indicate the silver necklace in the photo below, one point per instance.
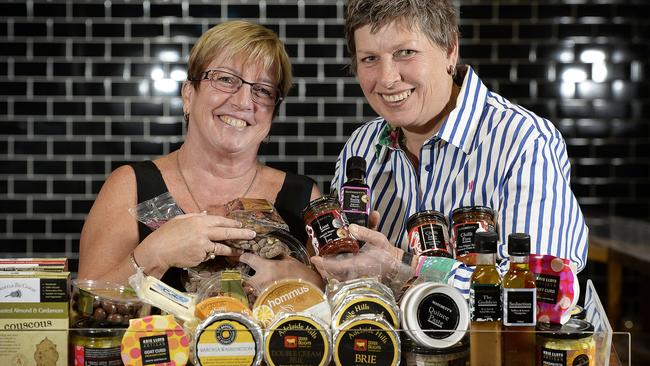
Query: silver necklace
187,186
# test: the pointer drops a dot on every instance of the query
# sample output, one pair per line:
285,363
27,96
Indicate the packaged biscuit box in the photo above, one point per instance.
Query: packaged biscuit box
34,317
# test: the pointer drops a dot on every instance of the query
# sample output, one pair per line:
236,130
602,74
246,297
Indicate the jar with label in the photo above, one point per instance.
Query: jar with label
428,234
327,227
466,222
568,344
96,347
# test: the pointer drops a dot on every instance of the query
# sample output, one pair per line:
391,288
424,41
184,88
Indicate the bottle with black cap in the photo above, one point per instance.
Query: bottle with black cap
485,303
519,304
355,193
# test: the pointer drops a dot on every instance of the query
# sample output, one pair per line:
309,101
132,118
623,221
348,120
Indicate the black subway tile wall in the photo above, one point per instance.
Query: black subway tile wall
86,86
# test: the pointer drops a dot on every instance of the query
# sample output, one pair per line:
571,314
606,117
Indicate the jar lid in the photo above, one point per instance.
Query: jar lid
578,312
222,337
354,305
355,163
573,329
518,244
293,295
317,202
98,332
436,215
409,346
470,209
366,336
434,315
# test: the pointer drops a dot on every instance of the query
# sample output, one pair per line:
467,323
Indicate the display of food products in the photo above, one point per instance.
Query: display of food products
466,222
297,340
434,315
327,227
155,340
485,304
567,345
366,340
98,304
228,339
291,296
428,234
355,193
557,288
519,304
96,347
415,355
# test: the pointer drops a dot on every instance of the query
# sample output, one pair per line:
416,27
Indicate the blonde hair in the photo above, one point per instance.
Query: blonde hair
252,42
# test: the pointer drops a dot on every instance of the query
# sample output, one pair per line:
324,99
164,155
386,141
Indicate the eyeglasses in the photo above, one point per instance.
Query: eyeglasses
226,82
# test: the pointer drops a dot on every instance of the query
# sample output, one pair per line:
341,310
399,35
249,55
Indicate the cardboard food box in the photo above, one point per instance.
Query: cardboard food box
34,318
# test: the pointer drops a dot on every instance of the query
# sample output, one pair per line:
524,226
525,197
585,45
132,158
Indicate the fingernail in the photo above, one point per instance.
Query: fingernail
251,233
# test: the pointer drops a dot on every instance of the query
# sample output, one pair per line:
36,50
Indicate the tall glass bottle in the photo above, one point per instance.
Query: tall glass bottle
485,304
519,304
355,193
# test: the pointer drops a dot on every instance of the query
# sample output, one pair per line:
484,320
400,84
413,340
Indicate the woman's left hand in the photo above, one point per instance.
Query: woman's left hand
268,271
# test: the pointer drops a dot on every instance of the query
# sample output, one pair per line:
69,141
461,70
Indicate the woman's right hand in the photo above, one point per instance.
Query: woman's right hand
187,240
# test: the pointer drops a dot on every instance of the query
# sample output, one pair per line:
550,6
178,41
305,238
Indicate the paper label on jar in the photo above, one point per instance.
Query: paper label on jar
485,302
361,306
109,356
154,349
326,228
553,357
519,307
226,342
437,312
464,238
366,343
297,342
427,237
548,287
290,296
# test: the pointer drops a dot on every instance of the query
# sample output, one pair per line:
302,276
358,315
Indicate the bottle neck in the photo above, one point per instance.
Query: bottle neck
483,259
355,178
521,261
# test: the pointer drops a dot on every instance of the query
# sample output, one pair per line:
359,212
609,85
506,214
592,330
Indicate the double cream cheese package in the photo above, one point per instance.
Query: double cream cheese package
297,340
34,317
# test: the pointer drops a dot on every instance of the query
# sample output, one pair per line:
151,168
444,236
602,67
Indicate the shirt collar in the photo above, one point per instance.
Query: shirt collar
460,127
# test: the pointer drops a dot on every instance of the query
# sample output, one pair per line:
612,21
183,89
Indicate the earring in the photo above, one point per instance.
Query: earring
267,139
451,70
186,116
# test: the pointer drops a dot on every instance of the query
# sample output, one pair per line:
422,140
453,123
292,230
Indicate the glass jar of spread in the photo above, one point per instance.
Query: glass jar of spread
327,227
428,234
416,355
95,347
467,221
568,344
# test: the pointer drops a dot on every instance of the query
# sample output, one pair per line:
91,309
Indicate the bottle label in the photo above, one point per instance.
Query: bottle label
548,287
554,357
427,238
326,228
519,307
84,356
485,303
355,200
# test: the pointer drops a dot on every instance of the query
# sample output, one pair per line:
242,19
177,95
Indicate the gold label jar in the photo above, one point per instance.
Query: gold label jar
96,347
466,222
569,344
327,227
428,234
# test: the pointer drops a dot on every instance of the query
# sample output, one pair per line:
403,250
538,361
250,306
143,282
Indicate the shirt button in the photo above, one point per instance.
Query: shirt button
428,168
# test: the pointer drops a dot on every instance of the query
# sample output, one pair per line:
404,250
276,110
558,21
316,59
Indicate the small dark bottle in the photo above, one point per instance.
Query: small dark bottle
355,193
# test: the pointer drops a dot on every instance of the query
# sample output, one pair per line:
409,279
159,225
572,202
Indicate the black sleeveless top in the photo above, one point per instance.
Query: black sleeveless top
294,195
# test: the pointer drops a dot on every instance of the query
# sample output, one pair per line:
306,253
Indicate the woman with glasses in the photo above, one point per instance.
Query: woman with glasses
238,74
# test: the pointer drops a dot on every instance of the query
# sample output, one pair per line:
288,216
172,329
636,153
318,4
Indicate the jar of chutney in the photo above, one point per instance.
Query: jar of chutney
327,227
466,222
428,234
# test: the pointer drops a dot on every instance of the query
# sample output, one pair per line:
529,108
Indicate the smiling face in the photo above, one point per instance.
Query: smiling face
231,123
404,75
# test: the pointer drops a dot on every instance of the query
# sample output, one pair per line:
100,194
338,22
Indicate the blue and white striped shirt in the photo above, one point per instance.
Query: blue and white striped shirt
488,152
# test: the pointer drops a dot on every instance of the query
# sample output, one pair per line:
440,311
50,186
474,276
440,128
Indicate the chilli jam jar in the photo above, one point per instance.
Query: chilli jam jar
327,227
467,221
428,234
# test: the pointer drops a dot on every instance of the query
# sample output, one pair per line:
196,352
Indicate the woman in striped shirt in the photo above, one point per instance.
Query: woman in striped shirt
444,141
